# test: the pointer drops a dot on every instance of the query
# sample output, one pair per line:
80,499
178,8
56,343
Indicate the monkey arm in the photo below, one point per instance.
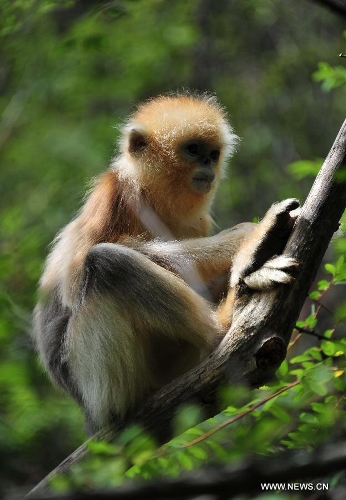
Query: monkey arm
246,248
210,257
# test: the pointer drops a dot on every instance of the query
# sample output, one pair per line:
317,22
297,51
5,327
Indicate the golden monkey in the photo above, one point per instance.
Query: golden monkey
128,298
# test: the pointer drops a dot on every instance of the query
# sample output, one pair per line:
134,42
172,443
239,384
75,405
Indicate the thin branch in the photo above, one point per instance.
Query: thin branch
311,332
241,415
164,451
246,479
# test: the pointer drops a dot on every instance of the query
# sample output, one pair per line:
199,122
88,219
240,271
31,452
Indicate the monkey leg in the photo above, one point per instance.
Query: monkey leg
258,262
136,326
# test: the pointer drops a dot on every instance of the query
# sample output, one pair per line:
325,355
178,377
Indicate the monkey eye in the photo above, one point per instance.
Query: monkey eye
215,154
192,149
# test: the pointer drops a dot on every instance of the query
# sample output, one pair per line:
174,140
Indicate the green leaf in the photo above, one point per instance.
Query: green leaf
188,416
320,389
280,413
308,365
318,407
316,354
219,451
308,418
311,321
60,484
328,347
301,358
134,471
323,285
328,333
340,263
184,460
198,452
305,168
330,268
283,369
330,76
129,434
101,447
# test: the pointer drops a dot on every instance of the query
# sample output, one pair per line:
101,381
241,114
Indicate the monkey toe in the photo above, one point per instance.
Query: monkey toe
281,262
289,205
286,206
266,279
274,272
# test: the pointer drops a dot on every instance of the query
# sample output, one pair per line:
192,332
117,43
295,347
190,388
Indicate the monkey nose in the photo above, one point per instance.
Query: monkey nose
207,161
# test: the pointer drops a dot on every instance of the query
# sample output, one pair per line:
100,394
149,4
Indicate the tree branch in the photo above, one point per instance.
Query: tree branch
262,323
334,5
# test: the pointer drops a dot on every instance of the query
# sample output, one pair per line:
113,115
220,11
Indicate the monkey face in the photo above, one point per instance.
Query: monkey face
176,148
193,163
204,158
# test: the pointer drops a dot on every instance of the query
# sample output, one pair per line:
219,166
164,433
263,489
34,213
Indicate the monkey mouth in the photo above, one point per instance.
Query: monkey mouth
201,185
202,182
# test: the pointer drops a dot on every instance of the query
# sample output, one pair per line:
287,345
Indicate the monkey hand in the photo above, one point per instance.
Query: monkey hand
258,262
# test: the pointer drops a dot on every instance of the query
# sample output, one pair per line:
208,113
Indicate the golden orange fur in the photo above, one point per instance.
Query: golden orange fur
130,296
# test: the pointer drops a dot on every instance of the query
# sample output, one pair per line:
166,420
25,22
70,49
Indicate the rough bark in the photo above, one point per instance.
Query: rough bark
262,323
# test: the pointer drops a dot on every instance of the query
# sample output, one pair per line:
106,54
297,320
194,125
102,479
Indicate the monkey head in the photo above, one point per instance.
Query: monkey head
175,149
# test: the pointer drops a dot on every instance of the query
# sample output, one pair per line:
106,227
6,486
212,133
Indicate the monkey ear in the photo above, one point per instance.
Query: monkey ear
137,141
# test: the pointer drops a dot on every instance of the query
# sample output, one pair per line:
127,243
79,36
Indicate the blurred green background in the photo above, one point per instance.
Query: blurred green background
70,72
